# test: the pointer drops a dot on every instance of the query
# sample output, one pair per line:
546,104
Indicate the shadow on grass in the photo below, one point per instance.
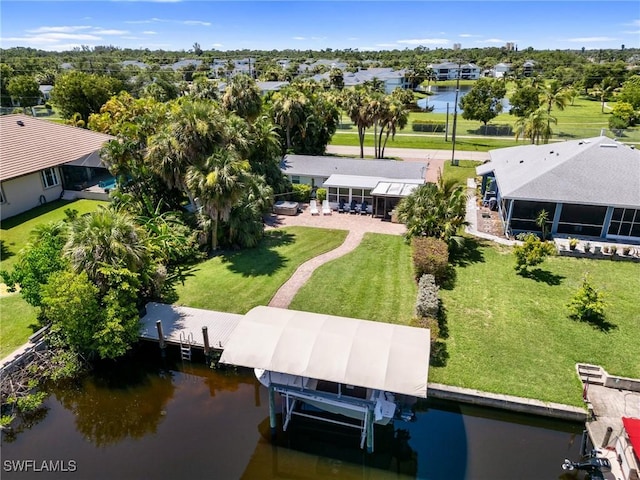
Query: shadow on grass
543,276
599,322
443,328
4,251
439,354
466,254
33,213
262,260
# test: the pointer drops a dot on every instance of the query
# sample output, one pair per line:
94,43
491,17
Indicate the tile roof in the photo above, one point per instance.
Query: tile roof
595,171
39,144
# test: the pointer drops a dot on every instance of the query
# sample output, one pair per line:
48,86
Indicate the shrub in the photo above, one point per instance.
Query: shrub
428,302
321,194
427,126
430,323
587,304
532,252
301,192
430,256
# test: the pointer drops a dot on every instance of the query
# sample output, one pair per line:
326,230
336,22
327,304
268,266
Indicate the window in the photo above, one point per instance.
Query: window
332,195
295,179
581,219
50,178
625,222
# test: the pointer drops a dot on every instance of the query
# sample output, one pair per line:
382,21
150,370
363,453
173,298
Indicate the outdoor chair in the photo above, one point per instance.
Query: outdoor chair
313,207
326,209
353,207
363,208
341,206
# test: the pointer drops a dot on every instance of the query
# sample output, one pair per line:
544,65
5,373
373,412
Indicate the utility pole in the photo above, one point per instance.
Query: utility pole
455,117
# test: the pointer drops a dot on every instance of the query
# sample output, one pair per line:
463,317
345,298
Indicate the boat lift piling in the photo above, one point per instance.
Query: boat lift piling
207,349
272,412
161,341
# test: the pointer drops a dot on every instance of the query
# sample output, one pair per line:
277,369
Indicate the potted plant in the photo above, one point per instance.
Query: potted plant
614,249
587,247
626,251
605,249
573,243
596,249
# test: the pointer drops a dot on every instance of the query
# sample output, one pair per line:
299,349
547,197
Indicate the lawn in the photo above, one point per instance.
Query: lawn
465,169
18,322
583,119
238,281
374,282
510,334
15,231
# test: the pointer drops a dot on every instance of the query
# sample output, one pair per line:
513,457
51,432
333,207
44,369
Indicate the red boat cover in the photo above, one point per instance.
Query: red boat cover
632,426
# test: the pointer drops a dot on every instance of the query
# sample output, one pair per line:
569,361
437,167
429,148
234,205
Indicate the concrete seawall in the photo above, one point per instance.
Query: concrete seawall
507,402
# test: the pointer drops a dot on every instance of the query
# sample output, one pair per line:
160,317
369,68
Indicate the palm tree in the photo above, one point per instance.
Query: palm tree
554,95
602,90
245,220
288,111
109,238
242,97
535,126
397,116
219,183
354,103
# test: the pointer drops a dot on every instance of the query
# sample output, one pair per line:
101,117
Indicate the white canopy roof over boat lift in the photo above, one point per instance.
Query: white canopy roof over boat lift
376,355
394,189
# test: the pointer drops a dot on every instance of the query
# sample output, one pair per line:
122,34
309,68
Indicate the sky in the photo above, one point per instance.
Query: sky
276,25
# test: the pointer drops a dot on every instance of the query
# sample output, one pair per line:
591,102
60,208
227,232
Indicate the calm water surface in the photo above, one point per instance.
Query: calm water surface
164,419
447,95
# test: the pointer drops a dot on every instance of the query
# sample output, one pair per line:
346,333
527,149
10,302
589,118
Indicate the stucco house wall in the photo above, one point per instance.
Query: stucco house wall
26,192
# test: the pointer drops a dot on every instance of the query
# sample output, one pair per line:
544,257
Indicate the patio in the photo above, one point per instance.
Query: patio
341,221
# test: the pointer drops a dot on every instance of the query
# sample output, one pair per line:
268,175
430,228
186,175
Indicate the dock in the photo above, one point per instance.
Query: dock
184,325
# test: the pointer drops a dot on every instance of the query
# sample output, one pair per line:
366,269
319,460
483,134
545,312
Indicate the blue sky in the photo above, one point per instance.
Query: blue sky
363,25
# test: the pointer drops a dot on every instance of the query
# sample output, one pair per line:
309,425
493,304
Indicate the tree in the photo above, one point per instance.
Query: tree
203,89
530,253
6,73
394,117
524,101
336,78
245,225
630,92
242,97
624,112
554,95
354,103
434,210
288,111
484,100
25,90
37,261
83,93
541,220
587,304
536,126
602,90
196,49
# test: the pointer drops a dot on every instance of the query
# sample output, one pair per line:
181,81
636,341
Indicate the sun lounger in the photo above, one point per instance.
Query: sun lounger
313,207
326,209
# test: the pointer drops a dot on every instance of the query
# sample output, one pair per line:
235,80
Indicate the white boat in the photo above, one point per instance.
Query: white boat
348,400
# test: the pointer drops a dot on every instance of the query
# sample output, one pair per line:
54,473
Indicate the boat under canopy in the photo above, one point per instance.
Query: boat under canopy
302,346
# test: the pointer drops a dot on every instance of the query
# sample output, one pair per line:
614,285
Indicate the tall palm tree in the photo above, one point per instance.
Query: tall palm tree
242,97
355,104
245,220
396,118
219,183
554,95
288,111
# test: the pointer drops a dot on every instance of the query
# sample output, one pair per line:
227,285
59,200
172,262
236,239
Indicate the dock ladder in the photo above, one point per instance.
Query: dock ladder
186,342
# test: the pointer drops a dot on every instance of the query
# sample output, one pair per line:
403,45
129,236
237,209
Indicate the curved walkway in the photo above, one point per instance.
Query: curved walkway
288,290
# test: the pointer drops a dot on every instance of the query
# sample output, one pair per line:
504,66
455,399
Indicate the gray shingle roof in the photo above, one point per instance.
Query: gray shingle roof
595,171
319,166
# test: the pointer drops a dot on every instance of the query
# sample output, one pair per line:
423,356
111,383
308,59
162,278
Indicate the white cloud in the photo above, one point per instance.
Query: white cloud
217,45
298,38
149,32
492,40
633,23
591,39
150,20
196,22
632,32
105,31
60,29
424,41
131,37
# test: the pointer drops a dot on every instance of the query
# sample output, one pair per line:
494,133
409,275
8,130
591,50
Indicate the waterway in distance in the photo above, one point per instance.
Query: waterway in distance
147,417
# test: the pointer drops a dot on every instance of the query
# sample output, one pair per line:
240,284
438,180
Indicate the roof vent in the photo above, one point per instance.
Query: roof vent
521,161
20,122
608,145
551,151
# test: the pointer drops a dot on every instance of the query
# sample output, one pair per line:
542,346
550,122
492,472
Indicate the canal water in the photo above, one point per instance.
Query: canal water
152,418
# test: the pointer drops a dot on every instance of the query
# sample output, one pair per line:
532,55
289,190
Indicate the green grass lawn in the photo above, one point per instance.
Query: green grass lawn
238,281
510,334
15,231
465,169
18,320
374,282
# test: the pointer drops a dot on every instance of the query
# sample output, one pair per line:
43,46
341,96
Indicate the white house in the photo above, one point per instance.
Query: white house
449,71
32,154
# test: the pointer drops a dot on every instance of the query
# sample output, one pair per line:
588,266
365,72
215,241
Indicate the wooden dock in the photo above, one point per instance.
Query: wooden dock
180,324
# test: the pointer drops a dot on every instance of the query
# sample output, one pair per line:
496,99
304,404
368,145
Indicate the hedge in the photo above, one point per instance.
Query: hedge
428,302
301,192
430,256
427,126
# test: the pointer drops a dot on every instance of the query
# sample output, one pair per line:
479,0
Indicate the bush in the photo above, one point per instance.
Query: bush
428,302
532,252
301,192
430,323
427,126
430,256
587,304
321,194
